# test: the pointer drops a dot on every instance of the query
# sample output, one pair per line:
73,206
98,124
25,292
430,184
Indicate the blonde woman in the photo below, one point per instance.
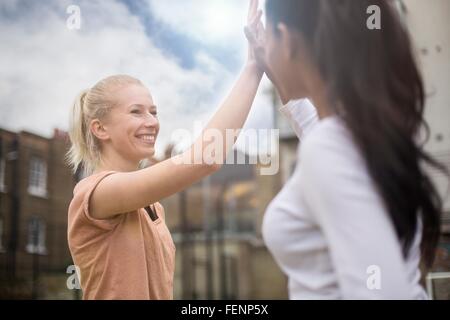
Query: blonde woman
116,229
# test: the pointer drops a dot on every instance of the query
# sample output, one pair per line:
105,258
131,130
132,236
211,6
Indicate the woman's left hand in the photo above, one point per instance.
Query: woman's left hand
255,34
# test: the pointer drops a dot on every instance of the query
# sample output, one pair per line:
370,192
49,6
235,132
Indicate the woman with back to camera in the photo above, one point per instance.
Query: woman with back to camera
359,212
124,251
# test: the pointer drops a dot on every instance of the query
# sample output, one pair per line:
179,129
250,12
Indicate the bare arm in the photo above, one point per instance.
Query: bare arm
125,192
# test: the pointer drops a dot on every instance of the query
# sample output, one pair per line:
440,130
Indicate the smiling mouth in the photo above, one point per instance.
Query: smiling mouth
148,139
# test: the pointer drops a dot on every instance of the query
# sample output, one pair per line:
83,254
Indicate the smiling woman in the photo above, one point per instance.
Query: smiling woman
110,122
116,226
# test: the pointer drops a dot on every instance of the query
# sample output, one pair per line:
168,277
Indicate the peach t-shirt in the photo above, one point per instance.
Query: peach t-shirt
127,257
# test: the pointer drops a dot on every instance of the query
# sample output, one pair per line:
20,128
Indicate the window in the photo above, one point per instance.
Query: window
38,177
36,236
2,175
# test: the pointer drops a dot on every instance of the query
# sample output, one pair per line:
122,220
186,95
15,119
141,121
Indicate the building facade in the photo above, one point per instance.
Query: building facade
35,190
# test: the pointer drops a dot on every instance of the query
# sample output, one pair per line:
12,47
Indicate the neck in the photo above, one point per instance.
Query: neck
112,161
318,94
314,87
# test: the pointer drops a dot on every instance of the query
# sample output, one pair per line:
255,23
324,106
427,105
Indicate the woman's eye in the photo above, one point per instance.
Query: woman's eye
155,114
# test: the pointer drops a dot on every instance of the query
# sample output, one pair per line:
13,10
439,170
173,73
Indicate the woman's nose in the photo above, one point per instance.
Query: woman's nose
151,121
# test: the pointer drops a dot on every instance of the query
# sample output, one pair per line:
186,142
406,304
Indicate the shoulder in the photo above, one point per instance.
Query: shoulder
79,208
330,132
90,181
330,152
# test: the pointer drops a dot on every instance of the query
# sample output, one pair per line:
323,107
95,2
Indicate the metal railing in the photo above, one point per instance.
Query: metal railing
435,276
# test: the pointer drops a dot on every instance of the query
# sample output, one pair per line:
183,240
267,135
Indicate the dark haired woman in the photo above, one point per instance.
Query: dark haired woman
359,212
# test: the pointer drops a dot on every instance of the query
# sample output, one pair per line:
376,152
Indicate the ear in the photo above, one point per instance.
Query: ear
99,130
290,41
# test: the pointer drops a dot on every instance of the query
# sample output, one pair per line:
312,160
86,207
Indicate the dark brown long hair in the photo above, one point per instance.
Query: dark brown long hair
375,86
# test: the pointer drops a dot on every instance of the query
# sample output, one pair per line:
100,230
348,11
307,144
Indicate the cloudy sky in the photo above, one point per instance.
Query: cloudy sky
188,53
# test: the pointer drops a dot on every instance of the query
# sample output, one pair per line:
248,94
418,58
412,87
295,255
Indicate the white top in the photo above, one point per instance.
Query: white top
328,228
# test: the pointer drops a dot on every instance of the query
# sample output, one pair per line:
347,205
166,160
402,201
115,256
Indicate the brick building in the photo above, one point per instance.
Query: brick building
35,190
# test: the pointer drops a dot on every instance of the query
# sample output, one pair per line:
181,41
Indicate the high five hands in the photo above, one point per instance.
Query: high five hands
256,36
255,33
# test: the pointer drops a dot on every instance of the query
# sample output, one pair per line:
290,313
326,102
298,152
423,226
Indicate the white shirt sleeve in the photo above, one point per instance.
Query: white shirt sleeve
361,239
302,116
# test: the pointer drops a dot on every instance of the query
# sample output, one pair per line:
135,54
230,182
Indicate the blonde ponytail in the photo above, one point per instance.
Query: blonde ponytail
79,152
91,104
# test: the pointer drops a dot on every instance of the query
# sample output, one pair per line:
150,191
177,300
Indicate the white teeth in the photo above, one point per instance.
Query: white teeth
147,138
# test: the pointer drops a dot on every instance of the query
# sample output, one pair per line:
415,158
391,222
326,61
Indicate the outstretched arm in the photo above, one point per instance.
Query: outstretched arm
125,192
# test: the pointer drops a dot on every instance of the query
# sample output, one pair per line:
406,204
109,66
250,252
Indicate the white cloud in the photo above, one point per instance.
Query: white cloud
218,22
44,65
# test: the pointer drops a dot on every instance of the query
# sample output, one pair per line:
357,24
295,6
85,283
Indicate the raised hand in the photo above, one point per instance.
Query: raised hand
256,36
255,33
